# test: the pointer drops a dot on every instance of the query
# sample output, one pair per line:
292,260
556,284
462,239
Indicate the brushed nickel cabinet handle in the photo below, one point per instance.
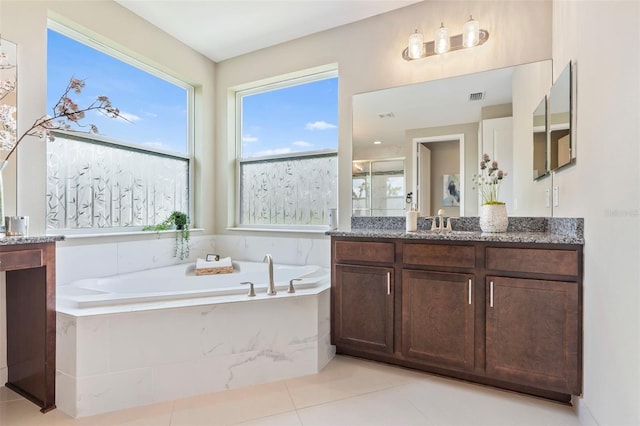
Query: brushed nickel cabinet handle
388,283
470,284
491,294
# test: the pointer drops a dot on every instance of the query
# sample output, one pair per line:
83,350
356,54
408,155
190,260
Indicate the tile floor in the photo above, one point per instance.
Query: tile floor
348,391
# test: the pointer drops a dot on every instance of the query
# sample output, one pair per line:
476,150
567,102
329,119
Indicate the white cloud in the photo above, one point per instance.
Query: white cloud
302,143
151,114
130,117
156,145
319,125
249,139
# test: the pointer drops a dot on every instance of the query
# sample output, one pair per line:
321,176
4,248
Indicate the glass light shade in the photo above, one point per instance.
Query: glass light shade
442,40
471,33
416,45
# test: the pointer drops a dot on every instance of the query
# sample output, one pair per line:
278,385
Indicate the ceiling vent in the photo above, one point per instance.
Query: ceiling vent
478,96
386,115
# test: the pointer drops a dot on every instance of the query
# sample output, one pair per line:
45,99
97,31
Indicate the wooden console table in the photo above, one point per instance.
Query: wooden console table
30,265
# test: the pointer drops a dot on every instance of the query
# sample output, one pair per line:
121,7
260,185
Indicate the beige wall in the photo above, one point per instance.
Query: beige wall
604,188
368,54
445,159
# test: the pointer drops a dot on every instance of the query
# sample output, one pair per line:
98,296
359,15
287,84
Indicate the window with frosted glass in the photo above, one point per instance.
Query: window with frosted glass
287,163
136,170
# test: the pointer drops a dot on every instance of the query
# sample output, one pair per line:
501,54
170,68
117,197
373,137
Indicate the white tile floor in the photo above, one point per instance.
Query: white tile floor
348,391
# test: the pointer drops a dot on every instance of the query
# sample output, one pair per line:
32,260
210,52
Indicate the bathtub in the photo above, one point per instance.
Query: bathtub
180,282
164,334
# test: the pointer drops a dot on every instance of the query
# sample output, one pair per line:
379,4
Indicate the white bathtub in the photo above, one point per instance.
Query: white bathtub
180,282
164,334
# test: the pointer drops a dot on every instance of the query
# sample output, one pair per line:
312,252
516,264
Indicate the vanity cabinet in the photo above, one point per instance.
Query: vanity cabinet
533,326
498,313
31,318
363,296
438,318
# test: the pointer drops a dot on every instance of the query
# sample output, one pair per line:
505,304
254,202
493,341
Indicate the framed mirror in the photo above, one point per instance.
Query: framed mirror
539,137
561,145
442,128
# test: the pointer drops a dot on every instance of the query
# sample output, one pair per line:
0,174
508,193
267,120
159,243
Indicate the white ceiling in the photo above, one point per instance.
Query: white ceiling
222,29
430,104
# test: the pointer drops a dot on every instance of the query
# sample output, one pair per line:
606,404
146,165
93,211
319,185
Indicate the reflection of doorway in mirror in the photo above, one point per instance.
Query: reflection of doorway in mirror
439,172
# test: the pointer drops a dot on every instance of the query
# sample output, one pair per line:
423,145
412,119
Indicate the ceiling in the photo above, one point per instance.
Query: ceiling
222,29
430,104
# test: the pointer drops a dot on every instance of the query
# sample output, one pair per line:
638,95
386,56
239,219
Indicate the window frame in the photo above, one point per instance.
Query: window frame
105,140
281,82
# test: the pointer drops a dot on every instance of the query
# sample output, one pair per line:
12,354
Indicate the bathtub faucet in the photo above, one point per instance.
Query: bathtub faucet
272,287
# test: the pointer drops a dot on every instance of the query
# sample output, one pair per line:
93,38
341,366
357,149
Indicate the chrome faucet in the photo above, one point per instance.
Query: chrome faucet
272,287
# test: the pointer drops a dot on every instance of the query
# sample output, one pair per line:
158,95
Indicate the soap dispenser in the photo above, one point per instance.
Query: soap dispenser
412,219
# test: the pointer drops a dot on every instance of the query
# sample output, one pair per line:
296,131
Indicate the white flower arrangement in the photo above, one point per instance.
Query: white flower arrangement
489,180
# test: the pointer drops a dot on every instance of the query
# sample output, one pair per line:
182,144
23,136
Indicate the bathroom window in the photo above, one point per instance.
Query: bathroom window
134,172
287,153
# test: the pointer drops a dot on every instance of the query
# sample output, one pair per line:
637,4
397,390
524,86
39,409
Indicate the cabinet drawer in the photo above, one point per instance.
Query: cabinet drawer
439,255
539,261
22,259
364,251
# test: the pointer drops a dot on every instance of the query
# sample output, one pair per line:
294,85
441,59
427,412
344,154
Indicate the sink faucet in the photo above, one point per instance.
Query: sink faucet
272,287
439,226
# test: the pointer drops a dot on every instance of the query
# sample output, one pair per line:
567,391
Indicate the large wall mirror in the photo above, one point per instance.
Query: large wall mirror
442,127
561,146
8,122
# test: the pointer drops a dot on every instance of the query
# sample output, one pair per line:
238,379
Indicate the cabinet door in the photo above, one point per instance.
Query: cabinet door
533,333
438,318
363,307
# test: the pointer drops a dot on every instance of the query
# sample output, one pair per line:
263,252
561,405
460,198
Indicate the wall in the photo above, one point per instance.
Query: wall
368,54
604,188
25,23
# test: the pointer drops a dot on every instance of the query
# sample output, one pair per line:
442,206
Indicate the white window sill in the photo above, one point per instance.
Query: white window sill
289,229
72,235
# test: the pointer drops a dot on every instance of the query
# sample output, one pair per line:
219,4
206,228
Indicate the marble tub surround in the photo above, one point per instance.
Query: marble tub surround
521,229
115,361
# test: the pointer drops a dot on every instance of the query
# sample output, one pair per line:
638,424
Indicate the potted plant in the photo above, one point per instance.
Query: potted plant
493,212
180,222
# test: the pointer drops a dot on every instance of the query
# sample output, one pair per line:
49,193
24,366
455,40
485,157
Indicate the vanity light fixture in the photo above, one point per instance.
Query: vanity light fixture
416,45
471,36
442,42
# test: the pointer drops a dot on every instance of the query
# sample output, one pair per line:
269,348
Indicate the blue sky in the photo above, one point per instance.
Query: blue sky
292,119
155,108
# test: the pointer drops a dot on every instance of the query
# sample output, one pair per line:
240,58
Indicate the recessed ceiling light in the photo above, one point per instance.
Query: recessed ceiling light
377,142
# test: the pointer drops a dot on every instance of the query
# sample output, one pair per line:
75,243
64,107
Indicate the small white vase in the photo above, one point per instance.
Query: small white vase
493,218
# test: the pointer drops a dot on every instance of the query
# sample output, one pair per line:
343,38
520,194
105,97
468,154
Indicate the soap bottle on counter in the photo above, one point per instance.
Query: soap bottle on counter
412,219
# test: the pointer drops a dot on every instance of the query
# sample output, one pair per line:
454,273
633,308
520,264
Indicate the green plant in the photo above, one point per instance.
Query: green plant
181,222
489,180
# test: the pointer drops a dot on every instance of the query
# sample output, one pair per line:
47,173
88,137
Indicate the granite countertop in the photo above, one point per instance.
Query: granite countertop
37,239
506,237
539,230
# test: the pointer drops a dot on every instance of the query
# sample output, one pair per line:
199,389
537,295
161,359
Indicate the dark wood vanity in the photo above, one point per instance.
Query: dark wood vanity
506,314
30,267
